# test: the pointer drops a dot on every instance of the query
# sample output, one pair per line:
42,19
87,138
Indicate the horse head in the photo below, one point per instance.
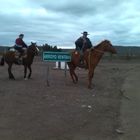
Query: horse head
33,49
108,47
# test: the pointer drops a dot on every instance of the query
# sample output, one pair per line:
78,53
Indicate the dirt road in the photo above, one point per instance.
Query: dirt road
64,111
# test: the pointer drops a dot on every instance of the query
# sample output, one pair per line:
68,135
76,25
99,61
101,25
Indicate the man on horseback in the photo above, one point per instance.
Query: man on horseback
20,45
82,44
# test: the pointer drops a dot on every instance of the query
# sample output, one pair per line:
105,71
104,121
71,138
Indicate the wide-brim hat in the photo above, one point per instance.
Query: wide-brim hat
85,33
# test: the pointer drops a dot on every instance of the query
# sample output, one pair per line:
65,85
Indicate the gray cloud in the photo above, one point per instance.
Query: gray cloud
61,22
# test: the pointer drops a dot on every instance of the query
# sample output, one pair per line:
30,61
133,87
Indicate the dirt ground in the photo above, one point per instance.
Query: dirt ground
30,110
130,112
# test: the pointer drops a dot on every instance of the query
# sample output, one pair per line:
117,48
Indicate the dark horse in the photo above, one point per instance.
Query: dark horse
91,58
10,59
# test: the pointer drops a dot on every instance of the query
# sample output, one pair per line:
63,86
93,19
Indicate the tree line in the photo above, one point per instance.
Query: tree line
47,47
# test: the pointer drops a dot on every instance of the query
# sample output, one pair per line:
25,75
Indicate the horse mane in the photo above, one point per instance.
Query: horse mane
95,47
98,45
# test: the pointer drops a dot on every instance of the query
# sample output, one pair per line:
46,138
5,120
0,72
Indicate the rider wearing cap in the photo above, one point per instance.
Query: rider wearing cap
20,44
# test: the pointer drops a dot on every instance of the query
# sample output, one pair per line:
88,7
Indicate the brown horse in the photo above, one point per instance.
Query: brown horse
10,59
91,58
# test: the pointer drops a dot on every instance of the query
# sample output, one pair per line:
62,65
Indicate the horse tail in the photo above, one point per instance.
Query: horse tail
2,61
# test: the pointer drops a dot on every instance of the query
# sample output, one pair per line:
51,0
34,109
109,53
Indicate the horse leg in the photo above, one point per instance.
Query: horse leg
11,76
72,72
2,61
30,72
90,76
76,78
73,76
25,71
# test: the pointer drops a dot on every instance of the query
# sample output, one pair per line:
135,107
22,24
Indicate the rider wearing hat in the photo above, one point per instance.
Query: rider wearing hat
82,44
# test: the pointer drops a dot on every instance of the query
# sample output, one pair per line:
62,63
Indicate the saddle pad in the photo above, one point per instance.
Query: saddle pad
12,49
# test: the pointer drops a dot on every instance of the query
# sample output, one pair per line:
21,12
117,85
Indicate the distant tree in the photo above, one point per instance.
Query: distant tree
47,47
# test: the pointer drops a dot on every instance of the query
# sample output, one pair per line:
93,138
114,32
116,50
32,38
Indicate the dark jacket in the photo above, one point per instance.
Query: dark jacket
80,45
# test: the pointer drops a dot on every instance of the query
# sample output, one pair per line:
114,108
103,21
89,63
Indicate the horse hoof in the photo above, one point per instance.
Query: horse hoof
11,78
75,82
89,87
25,79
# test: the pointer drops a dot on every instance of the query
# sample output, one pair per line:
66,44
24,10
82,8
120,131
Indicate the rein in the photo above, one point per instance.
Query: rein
99,51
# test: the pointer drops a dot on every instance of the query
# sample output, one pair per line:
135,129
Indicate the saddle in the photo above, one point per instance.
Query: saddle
81,61
18,55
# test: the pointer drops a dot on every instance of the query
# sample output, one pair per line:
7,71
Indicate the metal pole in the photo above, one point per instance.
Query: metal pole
65,69
47,75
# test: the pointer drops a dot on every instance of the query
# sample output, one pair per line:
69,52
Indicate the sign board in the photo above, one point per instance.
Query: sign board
57,56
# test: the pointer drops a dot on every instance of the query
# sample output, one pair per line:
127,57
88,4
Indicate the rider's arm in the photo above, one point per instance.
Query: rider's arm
24,44
79,43
89,43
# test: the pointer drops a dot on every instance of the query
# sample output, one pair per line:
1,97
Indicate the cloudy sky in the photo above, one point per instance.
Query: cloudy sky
61,22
